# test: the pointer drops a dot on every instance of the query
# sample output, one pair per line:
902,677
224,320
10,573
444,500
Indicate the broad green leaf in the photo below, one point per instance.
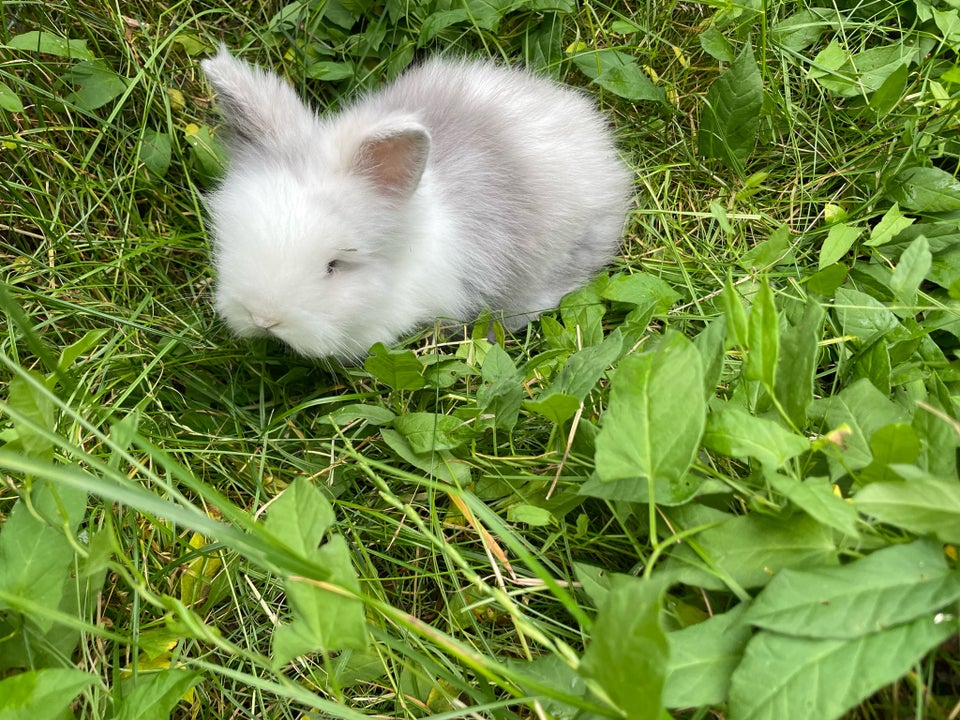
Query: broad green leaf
36,558
804,28
763,338
839,240
833,68
773,251
925,189
924,505
911,270
582,313
702,659
778,672
890,445
890,225
440,464
731,116
749,550
579,376
797,363
397,369
42,694
32,406
155,695
429,432
531,515
863,316
651,430
50,44
502,391
641,289
300,517
96,83
736,315
815,496
619,73
372,414
710,344
713,41
557,407
890,92
889,587
9,100
323,618
155,152
864,410
627,655
861,74
736,433
330,71
825,282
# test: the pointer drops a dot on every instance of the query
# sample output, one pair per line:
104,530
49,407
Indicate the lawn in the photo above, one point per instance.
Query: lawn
720,481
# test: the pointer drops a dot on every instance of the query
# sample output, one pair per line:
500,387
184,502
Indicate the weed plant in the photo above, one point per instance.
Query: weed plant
721,481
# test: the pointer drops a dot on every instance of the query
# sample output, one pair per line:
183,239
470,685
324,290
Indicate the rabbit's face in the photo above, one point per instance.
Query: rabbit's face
310,218
295,262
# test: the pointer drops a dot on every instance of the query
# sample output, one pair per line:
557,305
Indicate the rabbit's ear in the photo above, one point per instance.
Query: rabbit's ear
260,108
393,156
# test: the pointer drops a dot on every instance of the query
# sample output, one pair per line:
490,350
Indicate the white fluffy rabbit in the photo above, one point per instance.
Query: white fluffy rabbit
461,186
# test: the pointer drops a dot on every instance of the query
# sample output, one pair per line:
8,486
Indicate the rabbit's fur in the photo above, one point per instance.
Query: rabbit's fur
461,186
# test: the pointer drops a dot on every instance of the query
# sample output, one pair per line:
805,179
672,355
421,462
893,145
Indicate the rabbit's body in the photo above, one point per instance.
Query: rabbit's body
462,186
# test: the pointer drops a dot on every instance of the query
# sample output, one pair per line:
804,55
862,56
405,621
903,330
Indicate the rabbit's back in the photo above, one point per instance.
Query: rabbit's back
527,169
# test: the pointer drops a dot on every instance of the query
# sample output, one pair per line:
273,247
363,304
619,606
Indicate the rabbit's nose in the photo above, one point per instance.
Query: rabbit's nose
264,322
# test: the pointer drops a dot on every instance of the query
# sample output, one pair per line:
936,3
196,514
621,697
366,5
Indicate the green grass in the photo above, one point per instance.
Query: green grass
775,371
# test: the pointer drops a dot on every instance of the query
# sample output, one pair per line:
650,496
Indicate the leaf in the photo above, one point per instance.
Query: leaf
155,695
36,558
797,362
796,678
925,189
155,152
440,464
815,496
804,28
50,44
735,314
763,338
430,432
731,115
502,392
619,73
641,289
894,585
702,659
923,505
773,251
652,428
911,270
578,377
33,412
890,225
713,41
531,515
890,445
864,316
864,410
9,100
42,694
627,655
749,550
397,369
839,240
97,84
736,433
324,619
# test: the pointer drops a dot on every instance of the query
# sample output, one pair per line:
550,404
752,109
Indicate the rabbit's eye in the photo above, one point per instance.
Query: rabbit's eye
331,266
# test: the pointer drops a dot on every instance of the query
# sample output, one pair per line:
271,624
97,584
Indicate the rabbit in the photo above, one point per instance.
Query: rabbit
462,186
